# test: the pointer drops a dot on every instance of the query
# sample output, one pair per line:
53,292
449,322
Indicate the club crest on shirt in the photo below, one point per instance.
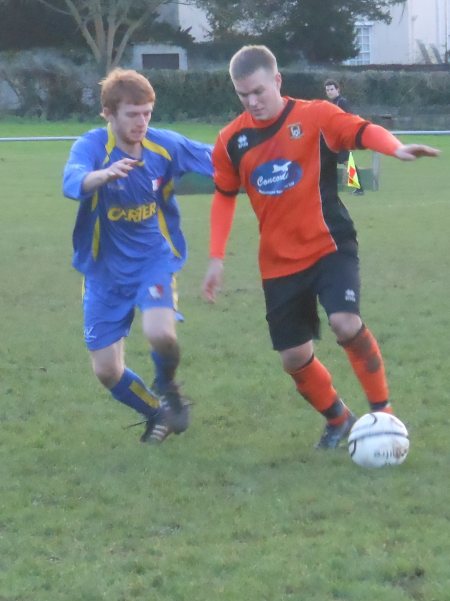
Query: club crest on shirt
156,292
274,177
295,131
156,184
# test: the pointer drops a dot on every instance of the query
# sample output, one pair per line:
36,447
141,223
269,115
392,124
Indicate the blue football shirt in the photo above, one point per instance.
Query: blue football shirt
131,226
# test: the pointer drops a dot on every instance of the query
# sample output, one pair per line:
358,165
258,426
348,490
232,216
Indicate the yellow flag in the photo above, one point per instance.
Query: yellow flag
352,174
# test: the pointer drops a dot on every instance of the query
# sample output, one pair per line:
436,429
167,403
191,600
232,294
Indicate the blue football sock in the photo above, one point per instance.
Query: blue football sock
131,390
165,368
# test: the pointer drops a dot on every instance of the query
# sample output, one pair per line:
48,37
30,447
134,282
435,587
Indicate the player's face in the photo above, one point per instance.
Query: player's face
129,123
260,94
332,92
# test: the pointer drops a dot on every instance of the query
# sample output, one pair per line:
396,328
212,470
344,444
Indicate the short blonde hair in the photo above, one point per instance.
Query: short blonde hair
249,59
125,85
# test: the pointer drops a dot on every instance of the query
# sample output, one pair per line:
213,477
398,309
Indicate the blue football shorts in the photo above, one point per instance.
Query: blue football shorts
109,309
292,301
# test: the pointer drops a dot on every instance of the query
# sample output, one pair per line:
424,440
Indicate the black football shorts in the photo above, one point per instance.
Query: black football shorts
291,301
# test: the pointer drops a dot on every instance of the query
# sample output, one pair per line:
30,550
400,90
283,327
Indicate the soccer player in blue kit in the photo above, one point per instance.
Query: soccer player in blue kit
128,244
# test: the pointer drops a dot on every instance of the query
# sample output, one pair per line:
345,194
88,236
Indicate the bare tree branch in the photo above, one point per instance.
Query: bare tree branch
127,35
91,42
101,22
53,7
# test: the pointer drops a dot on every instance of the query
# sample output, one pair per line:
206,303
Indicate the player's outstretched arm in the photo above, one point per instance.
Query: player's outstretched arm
117,170
410,152
375,137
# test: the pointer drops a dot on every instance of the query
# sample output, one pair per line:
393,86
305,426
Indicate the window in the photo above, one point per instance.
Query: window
363,34
161,61
159,56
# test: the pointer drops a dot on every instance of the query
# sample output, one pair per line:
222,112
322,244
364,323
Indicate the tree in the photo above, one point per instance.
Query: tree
320,30
18,30
107,26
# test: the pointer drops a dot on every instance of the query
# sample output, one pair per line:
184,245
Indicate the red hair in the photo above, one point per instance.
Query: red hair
125,85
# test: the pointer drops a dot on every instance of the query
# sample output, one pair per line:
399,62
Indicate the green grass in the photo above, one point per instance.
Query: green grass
240,507
19,127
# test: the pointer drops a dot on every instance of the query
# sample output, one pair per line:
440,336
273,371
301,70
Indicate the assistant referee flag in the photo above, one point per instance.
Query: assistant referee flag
352,174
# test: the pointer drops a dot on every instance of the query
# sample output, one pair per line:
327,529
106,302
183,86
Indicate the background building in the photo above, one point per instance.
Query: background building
193,17
418,34
185,16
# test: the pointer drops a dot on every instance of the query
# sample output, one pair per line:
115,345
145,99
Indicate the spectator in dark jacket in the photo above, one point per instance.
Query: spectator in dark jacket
333,92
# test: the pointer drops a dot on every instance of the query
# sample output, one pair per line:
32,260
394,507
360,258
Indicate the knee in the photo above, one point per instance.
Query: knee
108,373
345,325
165,343
296,358
160,331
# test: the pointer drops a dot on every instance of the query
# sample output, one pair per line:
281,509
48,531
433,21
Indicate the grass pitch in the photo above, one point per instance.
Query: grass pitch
240,507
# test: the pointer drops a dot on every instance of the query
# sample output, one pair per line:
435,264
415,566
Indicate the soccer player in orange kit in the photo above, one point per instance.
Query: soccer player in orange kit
281,151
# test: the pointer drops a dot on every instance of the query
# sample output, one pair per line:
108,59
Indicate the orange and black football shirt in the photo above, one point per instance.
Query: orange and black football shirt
287,167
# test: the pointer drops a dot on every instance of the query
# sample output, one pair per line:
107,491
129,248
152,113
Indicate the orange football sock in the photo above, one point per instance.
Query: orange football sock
313,381
366,360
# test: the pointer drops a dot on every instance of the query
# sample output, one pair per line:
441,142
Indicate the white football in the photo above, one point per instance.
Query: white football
378,439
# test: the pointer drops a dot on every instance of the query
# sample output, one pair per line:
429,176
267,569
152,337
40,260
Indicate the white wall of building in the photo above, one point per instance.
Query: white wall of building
418,33
191,16
184,16
390,43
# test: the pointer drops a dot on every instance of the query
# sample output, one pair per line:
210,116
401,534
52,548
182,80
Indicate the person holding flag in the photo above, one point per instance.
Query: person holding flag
333,92
282,152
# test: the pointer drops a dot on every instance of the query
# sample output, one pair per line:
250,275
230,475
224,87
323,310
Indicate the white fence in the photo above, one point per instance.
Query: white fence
371,177
64,138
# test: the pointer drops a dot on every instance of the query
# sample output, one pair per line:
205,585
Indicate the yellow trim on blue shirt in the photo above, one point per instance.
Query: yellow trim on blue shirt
96,238
165,232
110,143
94,201
149,145
168,189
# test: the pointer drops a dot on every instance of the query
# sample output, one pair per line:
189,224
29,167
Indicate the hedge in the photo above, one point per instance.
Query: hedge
52,88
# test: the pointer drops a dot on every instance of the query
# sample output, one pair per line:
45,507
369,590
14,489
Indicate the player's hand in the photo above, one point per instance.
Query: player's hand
212,282
120,169
100,177
411,152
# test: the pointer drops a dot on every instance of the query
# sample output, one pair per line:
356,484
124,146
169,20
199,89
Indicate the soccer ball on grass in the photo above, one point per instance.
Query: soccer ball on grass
378,439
